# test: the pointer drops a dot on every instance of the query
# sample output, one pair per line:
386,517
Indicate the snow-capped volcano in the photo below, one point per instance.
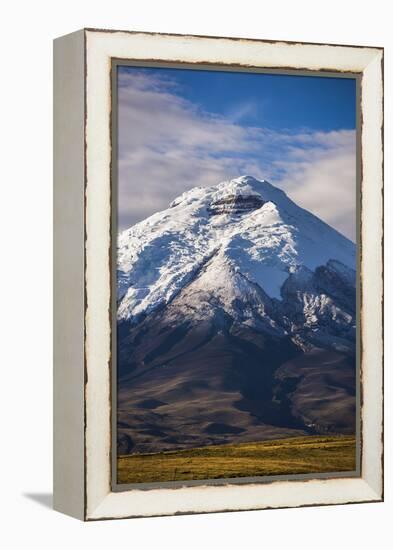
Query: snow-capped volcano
255,227
236,322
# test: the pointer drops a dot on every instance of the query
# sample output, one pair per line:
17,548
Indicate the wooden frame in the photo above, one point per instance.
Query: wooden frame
82,240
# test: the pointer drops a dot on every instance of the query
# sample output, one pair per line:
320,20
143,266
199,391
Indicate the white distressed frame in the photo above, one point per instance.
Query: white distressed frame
100,48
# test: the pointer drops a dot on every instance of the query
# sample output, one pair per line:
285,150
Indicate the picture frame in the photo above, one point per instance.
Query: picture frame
84,234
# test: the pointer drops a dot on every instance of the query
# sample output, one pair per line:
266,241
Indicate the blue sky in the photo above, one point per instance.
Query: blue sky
276,101
179,128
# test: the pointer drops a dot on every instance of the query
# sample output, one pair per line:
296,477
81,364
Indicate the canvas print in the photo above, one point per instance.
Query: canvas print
236,312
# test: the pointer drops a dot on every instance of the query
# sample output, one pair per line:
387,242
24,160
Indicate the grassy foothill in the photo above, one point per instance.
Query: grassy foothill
296,455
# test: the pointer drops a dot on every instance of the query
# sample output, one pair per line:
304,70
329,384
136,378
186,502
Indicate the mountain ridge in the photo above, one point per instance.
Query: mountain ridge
236,322
158,256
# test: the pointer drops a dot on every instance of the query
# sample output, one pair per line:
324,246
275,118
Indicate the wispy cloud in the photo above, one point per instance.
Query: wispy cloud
168,144
243,110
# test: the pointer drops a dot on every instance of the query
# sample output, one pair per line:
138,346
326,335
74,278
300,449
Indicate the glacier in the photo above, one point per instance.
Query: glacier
253,227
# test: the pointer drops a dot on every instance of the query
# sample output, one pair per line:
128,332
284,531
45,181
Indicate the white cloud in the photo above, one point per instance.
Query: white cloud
322,179
168,145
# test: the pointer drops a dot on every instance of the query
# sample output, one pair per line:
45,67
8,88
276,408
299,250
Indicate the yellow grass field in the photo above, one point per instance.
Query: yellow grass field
296,455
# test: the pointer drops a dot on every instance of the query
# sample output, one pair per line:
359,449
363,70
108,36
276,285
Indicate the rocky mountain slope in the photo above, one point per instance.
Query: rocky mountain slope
236,322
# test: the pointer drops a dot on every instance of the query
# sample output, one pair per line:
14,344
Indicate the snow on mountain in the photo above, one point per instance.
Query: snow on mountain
243,226
220,287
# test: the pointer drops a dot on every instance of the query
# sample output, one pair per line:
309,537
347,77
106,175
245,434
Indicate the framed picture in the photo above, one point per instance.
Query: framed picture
218,274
